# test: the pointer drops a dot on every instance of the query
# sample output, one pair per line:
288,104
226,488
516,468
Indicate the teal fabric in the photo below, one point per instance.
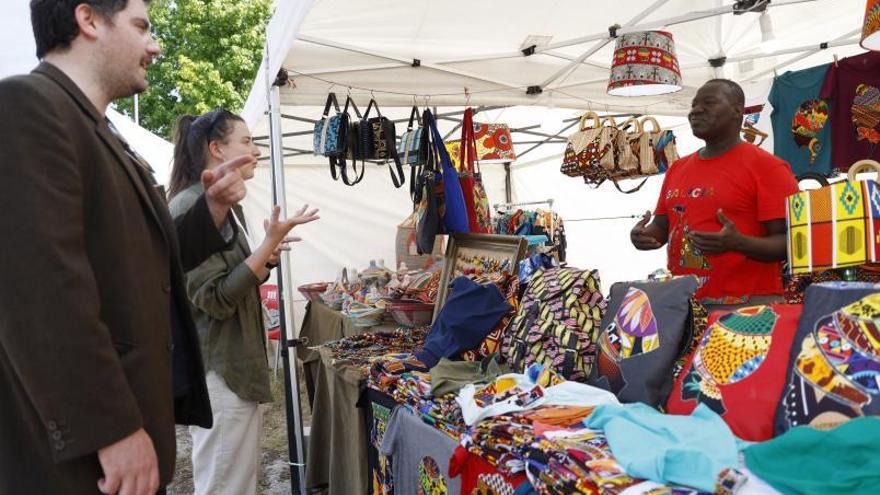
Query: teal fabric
680,450
841,461
793,94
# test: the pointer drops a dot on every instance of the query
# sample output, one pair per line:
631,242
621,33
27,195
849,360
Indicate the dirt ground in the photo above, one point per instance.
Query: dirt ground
274,475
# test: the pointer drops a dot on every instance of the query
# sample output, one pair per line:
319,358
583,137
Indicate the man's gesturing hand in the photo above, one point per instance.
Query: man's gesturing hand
224,187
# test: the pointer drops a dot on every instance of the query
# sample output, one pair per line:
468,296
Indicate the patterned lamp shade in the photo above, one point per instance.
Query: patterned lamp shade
644,64
871,29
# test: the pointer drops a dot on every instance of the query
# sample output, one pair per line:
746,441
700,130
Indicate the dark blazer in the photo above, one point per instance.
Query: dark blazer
91,285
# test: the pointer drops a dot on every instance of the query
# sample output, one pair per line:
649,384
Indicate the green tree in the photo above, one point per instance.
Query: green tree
211,51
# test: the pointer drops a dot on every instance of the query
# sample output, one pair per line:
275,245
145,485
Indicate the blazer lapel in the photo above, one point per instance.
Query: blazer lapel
137,179
103,130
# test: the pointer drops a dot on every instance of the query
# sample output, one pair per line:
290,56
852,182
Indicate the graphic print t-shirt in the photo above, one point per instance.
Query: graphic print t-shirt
801,126
852,87
420,454
750,186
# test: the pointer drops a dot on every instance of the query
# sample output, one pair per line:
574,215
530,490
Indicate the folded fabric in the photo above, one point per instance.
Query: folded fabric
681,450
522,394
804,460
449,376
469,314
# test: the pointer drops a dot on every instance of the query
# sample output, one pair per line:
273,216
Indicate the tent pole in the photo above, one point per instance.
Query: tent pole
295,448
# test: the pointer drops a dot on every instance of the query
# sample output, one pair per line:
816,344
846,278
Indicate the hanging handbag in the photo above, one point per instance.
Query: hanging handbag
348,151
377,142
656,148
330,132
454,213
834,226
584,151
608,133
494,143
627,147
428,199
412,147
476,201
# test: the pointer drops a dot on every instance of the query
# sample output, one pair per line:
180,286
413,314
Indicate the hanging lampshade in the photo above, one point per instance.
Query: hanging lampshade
644,64
871,28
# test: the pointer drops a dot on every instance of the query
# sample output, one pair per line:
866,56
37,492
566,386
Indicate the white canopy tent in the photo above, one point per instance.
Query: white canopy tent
541,63
369,49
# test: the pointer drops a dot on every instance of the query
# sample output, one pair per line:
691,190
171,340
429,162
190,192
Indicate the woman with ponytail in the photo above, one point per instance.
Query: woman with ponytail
225,296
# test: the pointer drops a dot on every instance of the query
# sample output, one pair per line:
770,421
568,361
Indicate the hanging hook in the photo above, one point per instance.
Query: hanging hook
372,96
415,103
467,97
836,61
349,91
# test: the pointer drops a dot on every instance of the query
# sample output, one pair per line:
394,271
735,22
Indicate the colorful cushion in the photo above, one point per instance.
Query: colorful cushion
642,335
834,370
738,370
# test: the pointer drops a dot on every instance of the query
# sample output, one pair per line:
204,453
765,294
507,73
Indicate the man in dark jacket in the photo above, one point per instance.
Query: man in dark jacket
94,313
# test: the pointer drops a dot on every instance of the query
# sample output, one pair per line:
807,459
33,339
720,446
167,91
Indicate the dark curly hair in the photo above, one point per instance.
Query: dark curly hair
54,22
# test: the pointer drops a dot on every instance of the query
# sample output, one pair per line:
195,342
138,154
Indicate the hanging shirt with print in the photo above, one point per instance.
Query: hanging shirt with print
750,186
853,87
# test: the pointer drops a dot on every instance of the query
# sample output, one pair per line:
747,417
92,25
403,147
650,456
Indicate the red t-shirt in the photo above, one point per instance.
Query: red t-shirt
750,186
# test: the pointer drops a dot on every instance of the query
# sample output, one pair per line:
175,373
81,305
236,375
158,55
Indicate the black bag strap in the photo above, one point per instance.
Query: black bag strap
370,107
398,178
414,116
570,354
331,98
528,321
350,102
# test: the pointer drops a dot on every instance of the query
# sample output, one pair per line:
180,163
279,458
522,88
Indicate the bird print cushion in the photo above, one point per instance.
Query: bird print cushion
834,373
641,336
738,369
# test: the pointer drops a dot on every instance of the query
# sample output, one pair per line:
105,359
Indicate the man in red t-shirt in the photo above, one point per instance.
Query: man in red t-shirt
722,209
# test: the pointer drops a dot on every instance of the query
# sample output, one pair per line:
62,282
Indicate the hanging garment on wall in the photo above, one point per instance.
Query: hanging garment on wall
643,333
536,222
801,126
834,369
852,87
739,368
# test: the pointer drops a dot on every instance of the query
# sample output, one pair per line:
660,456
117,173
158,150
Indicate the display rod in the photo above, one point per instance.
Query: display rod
291,378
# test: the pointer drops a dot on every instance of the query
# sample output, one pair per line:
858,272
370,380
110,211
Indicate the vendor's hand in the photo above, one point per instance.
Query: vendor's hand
224,187
727,239
641,238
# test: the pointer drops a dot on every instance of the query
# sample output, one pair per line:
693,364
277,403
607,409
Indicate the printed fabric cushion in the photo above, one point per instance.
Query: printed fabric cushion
642,334
738,369
834,370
